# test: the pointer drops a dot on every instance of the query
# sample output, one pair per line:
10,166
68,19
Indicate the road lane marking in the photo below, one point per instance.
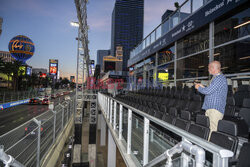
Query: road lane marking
2,126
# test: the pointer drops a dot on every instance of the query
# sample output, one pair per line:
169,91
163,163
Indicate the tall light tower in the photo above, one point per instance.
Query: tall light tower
81,8
82,54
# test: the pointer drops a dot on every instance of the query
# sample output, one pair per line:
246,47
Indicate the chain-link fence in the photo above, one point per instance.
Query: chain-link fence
30,142
9,96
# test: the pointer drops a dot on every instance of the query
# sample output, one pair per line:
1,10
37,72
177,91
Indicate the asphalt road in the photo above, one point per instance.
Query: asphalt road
13,117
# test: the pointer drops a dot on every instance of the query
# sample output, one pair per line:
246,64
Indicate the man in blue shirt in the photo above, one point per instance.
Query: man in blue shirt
215,95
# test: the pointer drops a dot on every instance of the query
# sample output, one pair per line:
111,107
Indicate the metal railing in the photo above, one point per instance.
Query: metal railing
30,142
181,13
141,135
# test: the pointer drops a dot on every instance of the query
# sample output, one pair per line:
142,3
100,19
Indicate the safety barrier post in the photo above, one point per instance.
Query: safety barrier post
129,131
54,126
114,125
120,122
38,142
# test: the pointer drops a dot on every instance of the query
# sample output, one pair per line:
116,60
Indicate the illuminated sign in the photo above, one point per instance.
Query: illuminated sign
43,75
28,71
53,67
163,76
22,70
16,44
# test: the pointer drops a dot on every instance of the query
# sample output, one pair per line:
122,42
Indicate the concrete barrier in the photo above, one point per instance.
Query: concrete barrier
53,155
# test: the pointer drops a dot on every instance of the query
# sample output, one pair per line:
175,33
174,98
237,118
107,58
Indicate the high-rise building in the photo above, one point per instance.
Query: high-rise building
100,55
127,27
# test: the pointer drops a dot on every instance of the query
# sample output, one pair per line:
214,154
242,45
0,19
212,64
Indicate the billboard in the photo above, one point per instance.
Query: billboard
28,70
53,67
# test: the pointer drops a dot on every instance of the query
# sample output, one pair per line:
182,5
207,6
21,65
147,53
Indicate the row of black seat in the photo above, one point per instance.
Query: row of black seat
157,102
182,108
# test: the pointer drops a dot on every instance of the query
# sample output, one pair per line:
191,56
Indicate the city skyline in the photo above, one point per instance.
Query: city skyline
47,24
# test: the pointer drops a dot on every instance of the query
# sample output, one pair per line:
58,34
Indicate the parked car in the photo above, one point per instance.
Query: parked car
35,101
45,101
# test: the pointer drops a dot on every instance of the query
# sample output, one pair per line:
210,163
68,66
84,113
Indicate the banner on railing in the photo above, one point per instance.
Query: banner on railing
12,104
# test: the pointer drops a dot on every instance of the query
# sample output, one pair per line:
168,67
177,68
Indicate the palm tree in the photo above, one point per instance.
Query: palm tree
7,69
15,67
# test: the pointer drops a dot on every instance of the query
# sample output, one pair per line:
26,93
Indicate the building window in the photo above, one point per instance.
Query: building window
193,67
234,58
193,43
166,55
232,27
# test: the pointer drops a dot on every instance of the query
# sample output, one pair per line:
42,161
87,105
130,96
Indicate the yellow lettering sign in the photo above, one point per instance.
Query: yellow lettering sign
16,45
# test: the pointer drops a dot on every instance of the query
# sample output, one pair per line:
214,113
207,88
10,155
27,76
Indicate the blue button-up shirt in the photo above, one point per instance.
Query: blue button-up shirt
215,94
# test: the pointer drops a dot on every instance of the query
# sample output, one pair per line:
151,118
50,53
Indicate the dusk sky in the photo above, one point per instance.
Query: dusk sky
47,24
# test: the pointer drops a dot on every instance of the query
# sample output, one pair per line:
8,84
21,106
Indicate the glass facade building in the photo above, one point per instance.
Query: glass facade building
100,56
214,30
127,26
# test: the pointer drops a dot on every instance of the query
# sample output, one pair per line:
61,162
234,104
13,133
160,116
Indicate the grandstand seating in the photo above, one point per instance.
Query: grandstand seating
182,107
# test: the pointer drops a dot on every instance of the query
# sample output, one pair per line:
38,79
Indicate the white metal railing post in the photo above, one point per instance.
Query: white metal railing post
120,122
63,109
145,141
68,109
38,142
54,126
114,124
106,105
63,117
129,131
110,111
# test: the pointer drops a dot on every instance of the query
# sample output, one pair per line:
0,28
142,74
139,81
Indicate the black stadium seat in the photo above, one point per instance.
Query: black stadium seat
171,117
195,106
230,108
225,136
200,127
242,93
245,112
184,121
243,159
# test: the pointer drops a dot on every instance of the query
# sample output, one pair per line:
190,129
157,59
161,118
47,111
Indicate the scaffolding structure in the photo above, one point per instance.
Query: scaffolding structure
82,72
